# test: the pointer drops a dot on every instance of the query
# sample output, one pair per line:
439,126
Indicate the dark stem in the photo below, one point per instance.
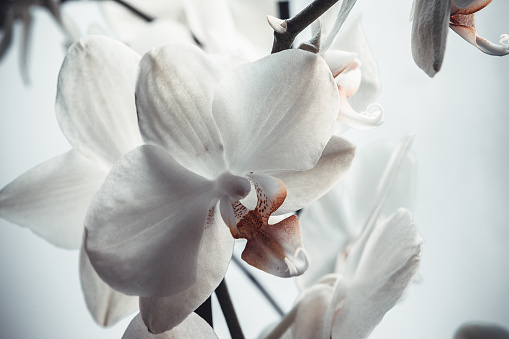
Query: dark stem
299,22
128,6
266,294
229,311
205,311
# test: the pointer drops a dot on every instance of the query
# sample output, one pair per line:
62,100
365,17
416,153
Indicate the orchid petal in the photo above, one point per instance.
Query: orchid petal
162,314
352,39
193,327
468,6
429,34
52,198
174,96
144,226
282,122
106,305
105,128
304,187
464,25
311,312
344,10
390,261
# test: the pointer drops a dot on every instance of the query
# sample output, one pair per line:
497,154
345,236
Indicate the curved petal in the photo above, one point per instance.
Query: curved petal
174,94
429,34
304,187
144,227
468,6
106,305
352,39
344,10
464,25
95,99
276,113
52,198
390,261
162,314
193,327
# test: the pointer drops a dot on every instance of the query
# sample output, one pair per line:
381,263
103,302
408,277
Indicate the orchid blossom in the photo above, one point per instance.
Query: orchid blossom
52,199
20,10
352,66
156,228
375,271
382,179
429,31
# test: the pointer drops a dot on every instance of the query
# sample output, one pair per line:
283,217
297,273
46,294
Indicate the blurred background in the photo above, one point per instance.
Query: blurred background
461,122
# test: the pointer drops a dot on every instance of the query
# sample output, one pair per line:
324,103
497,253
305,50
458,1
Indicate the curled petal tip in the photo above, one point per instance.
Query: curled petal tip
504,39
299,263
277,24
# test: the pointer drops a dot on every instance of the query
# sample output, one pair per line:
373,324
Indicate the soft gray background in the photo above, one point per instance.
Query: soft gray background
461,120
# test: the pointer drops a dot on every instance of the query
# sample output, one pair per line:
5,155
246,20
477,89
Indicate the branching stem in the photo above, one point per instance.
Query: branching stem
229,311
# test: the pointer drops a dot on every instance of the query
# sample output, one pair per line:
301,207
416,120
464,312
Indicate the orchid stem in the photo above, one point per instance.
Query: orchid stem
205,311
299,22
229,311
128,6
266,294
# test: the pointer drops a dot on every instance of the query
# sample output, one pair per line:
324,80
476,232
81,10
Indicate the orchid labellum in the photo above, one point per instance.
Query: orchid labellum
429,31
161,225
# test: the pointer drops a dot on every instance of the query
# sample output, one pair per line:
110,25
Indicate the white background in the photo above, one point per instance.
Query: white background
461,120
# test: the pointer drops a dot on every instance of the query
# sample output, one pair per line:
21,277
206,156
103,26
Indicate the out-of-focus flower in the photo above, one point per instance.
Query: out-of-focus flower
192,327
381,180
477,330
430,25
12,10
156,227
97,114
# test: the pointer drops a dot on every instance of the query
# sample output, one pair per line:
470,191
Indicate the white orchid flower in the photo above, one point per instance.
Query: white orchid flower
430,26
374,272
157,228
352,66
378,180
97,114
13,10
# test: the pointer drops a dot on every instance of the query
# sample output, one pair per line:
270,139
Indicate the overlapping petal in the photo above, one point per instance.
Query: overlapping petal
52,198
144,226
162,314
193,327
266,107
103,128
390,261
429,33
174,95
106,305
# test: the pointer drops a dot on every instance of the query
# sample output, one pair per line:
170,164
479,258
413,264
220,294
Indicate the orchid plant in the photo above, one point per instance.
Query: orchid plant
195,136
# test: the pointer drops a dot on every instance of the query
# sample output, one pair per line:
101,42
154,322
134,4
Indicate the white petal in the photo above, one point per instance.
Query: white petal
106,305
352,39
389,263
344,10
162,314
276,113
429,34
304,187
193,327
174,96
52,198
95,99
144,226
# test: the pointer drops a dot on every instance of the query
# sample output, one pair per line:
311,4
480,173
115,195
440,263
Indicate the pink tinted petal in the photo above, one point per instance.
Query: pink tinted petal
106,305
95,99
429,33
193,327
281,122
144,226
468,6
52,198
304,187
389,263
162,314
174,96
